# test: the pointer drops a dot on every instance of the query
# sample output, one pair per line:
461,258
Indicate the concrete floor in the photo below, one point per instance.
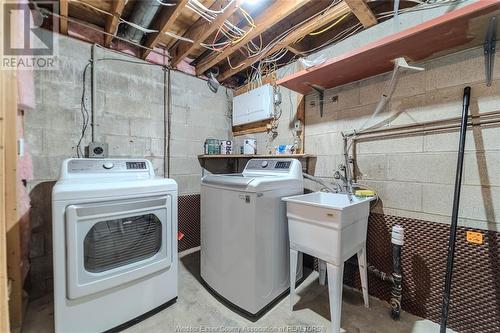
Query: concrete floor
197,309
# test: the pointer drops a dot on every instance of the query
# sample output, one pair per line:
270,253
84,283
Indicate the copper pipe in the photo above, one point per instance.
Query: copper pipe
424,130
427,123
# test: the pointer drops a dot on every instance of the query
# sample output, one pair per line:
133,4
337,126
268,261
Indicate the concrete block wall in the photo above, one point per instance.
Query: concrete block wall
129,113
414,175
129,117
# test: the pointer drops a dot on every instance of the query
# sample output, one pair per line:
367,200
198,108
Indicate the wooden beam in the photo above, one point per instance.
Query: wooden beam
200,32
165,24
333,13
63,22
271,16
362,12
112,21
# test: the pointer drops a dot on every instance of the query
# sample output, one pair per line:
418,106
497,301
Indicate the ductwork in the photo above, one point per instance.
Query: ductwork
142,15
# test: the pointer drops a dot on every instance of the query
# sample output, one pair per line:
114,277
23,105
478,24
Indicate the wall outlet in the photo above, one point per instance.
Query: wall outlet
96,150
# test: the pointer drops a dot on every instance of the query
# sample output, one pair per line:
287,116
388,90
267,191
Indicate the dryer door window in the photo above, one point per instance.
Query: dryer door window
115,242
118,242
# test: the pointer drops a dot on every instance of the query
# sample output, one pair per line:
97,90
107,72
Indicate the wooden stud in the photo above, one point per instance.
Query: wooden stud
301,115
7,100
200,32
165,24
271,16
63,22
362,12
12,226
333,13
257,127
10,241
112,22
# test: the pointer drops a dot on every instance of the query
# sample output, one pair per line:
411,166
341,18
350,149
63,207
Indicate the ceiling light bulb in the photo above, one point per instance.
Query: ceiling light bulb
252,2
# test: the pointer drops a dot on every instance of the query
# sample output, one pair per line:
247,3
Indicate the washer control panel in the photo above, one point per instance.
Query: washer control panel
269,164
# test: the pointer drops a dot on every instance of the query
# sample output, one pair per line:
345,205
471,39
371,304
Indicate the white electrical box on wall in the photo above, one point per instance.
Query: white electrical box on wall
254,105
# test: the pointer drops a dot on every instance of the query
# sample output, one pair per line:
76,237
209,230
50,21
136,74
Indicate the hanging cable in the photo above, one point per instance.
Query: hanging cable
202,7
168,4
330,26
84,111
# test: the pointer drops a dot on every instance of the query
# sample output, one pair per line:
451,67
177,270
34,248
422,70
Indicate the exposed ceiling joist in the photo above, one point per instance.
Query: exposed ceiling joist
272,15
362,12
333,13
200,32
294,50
112,21
63,11
165,24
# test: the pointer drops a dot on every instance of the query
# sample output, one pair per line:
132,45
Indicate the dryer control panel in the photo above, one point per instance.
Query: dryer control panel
75,167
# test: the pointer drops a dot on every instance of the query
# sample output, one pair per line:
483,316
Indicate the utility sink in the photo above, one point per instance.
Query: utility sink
328,225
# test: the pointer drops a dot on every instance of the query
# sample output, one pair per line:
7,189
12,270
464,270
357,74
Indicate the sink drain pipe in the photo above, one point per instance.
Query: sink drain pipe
395,279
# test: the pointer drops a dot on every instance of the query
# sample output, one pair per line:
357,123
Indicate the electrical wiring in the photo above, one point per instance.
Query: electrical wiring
283,35
212,47
231,66
247,17
171,34
168,4
208,16
202,7
138,27
342,35
84,111
338,38
330,26
420,6
228,27
93,7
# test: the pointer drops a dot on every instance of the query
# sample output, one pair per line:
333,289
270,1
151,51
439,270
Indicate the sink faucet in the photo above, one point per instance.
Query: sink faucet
342,177
347,188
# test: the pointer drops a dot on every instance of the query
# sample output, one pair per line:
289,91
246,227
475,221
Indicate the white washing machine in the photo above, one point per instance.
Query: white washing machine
114,243
244,233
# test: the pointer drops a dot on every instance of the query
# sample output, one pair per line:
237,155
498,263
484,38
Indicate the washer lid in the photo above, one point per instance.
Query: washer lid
231,180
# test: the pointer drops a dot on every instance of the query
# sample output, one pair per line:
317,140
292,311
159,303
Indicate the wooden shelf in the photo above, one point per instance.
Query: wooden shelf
459,29
298,156
236,162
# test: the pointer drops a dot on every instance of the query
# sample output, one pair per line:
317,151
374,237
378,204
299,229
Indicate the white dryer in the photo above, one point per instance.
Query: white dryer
114,243
244,233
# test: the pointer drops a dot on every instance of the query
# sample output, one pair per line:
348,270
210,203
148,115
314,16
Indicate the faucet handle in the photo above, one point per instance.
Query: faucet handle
336,175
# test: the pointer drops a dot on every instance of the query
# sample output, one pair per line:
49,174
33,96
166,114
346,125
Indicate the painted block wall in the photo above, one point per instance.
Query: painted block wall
129,117
414,175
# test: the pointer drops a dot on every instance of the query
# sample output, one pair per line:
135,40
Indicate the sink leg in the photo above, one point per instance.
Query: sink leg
335,283
322,272
363,272
294,256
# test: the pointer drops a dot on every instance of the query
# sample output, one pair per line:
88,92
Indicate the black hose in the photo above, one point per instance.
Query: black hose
397,278
454,214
